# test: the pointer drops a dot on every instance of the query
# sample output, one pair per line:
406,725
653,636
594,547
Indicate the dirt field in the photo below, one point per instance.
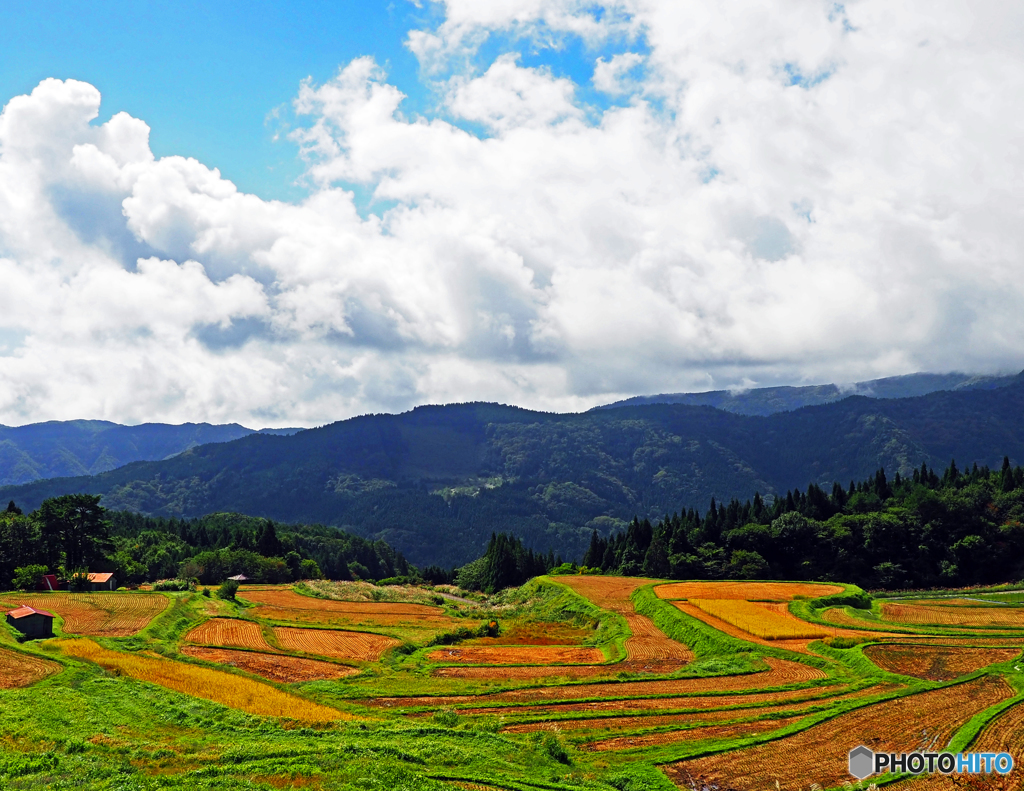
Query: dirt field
820,754
518,655
274,667
358,646
535,633
953,616
97,614
936,663
19,669
750,591
231,632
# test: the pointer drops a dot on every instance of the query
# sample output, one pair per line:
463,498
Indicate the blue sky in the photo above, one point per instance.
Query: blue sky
206,75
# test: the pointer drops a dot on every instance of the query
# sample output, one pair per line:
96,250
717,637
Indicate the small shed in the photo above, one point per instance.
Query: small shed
49,583
31,622
102,581
239,578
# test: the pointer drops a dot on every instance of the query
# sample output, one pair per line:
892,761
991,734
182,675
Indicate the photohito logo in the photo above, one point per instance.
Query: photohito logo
865,762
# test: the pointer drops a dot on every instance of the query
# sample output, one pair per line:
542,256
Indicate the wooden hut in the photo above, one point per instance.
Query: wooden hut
102,581
31,622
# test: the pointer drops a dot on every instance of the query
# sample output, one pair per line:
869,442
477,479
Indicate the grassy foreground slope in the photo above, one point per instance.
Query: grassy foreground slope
570,682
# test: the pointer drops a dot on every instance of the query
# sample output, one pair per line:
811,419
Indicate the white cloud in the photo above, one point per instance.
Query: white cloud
792,192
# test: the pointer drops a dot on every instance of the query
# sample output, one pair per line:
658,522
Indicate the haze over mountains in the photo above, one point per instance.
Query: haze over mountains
60,449
436,481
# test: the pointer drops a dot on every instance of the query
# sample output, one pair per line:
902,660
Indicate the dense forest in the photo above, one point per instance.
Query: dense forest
960,528
73,533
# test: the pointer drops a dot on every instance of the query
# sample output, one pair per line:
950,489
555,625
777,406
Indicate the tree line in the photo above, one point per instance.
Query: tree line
960,528
70,534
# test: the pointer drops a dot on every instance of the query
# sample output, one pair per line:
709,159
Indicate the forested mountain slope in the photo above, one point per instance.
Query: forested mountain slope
436,481
769,400
86,447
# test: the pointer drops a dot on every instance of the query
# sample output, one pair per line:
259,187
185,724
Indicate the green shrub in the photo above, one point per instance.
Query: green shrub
227,590
27,577
173,585
78,581
555,749
446,718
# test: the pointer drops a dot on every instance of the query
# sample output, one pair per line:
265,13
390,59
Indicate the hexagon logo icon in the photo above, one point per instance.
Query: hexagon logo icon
862,762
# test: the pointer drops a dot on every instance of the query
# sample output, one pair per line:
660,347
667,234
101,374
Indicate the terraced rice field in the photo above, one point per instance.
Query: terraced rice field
19,669
97,614
357,646
780,672
919,614
749,591
691,735
226,688
518,655
230,632
923,721
273,667
759,620
936,663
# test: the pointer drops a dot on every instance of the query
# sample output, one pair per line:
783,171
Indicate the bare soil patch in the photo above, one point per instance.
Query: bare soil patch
274,667
691,735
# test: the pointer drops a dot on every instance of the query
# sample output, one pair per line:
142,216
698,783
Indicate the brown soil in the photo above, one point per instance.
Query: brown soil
18,669
935,663
230,632
819,754
780,672
97,614
750,591
692,735
360,646
290,600
275,667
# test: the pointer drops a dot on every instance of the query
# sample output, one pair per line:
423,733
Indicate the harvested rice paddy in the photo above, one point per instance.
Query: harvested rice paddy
749,591
357,646
112,614
231,633
518,655
939,615
19,669
936,663
273,667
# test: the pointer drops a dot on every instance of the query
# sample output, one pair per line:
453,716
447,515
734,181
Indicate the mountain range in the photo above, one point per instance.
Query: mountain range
59,449
435,482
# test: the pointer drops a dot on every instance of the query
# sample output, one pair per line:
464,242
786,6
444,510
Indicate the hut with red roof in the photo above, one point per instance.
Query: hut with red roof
102,581
31,622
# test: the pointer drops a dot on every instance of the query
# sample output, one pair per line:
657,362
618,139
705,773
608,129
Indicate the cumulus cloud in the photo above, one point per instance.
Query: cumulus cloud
790,192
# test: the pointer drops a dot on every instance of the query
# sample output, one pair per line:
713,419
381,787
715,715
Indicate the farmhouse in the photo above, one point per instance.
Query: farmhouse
103,581
31,622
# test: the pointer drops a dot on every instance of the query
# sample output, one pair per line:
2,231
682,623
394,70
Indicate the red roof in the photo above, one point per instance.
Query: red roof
24,610
95,576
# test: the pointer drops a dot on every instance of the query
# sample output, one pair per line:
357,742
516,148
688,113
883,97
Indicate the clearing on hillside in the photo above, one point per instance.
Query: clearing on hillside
232,632
98,614
359,646
274,667
750,591
936,663
937,615
18,669
820,754
228,689
759,620
518,655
